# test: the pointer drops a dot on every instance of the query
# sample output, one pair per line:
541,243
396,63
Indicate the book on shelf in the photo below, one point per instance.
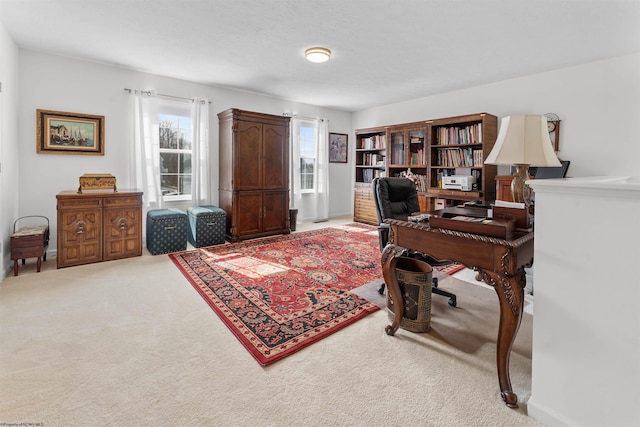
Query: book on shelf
458,135
397,154
417,157
373,159
455,157
374,142
369,174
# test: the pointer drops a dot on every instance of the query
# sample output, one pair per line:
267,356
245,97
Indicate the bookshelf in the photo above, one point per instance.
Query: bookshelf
407,151
430,149
370,162
458,146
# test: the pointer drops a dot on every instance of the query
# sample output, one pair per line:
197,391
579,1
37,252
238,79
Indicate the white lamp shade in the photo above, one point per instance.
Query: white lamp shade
523,139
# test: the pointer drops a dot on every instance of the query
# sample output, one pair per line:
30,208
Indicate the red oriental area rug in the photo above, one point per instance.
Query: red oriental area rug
281,294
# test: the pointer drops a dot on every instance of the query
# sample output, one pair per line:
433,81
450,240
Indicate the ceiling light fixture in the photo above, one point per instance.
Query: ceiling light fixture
317,54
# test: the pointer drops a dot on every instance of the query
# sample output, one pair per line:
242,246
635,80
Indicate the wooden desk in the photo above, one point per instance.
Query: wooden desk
500,263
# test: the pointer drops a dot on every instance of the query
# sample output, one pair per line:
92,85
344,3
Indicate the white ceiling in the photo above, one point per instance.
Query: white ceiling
384,51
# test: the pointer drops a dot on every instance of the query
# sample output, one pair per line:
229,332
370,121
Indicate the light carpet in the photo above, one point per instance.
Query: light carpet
130,343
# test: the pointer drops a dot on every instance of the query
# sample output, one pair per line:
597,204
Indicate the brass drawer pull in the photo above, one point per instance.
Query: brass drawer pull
169,228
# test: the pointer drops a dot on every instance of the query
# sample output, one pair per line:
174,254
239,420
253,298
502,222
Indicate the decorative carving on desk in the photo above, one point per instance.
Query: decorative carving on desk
505,261
478,237
504,283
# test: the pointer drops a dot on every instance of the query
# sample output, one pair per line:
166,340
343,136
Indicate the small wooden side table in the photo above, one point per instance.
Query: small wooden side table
29,242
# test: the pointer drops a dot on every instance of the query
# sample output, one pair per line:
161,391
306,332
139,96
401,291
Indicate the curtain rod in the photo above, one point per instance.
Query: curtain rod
154,93
295,116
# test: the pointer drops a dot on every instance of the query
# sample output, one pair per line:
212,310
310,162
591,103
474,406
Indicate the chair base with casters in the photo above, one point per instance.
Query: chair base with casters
398,198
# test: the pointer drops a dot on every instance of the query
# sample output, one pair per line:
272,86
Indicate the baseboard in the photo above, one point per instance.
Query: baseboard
546,416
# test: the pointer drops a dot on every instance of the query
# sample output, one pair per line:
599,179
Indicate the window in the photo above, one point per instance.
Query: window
176,136
308,156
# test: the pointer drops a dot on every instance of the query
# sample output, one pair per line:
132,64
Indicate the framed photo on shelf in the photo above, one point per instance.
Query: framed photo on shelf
338,147
59,132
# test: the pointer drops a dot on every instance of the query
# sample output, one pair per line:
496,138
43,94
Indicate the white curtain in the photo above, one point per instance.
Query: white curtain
296,194
322,196
311,205
144,167
200,167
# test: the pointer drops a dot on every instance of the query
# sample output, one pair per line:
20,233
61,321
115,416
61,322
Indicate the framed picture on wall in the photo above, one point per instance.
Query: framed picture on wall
338,147
59,132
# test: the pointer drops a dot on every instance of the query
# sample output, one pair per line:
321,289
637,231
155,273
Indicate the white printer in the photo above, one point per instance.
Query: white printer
458,182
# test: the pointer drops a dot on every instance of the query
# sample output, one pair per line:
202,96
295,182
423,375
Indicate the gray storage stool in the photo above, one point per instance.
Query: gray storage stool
166,231
207,225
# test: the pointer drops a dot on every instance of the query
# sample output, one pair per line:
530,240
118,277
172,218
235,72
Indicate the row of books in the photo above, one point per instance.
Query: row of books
374,142
369,174
417,157
397,154
421,183
419,180
373,159
471,134
460,157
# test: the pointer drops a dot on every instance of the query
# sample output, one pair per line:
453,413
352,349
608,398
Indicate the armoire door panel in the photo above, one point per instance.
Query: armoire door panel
248,213
247,163
276,210
276,157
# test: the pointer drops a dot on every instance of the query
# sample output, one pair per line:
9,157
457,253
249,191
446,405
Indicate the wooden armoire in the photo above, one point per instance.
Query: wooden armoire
254,173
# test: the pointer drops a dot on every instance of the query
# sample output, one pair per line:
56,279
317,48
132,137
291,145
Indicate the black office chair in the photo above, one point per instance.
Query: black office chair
398,198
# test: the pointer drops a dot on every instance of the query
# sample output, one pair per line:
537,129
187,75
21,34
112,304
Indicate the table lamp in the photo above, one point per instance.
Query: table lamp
523,141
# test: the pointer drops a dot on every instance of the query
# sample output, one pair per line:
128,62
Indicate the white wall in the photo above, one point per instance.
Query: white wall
62,84
586,324
598,103
9,141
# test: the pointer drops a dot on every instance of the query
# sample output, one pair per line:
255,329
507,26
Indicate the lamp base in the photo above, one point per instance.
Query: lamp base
520,190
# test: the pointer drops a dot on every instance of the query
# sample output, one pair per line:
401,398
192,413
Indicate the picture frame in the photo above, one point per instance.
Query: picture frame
338,147
60,132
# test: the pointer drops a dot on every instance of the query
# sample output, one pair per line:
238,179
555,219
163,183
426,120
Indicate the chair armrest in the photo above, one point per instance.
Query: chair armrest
383,235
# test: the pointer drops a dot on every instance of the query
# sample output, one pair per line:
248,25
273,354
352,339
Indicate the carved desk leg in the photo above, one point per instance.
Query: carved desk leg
389,259
510,292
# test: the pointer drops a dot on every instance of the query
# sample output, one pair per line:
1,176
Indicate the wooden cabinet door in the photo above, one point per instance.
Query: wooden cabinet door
122,231
80,239
247,215
275,154
247,170
276,210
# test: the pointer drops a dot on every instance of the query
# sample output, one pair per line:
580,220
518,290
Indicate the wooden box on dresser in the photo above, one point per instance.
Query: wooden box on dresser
254,173
98,225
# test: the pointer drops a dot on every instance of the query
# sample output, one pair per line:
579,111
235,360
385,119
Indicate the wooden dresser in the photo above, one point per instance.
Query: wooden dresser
98,225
